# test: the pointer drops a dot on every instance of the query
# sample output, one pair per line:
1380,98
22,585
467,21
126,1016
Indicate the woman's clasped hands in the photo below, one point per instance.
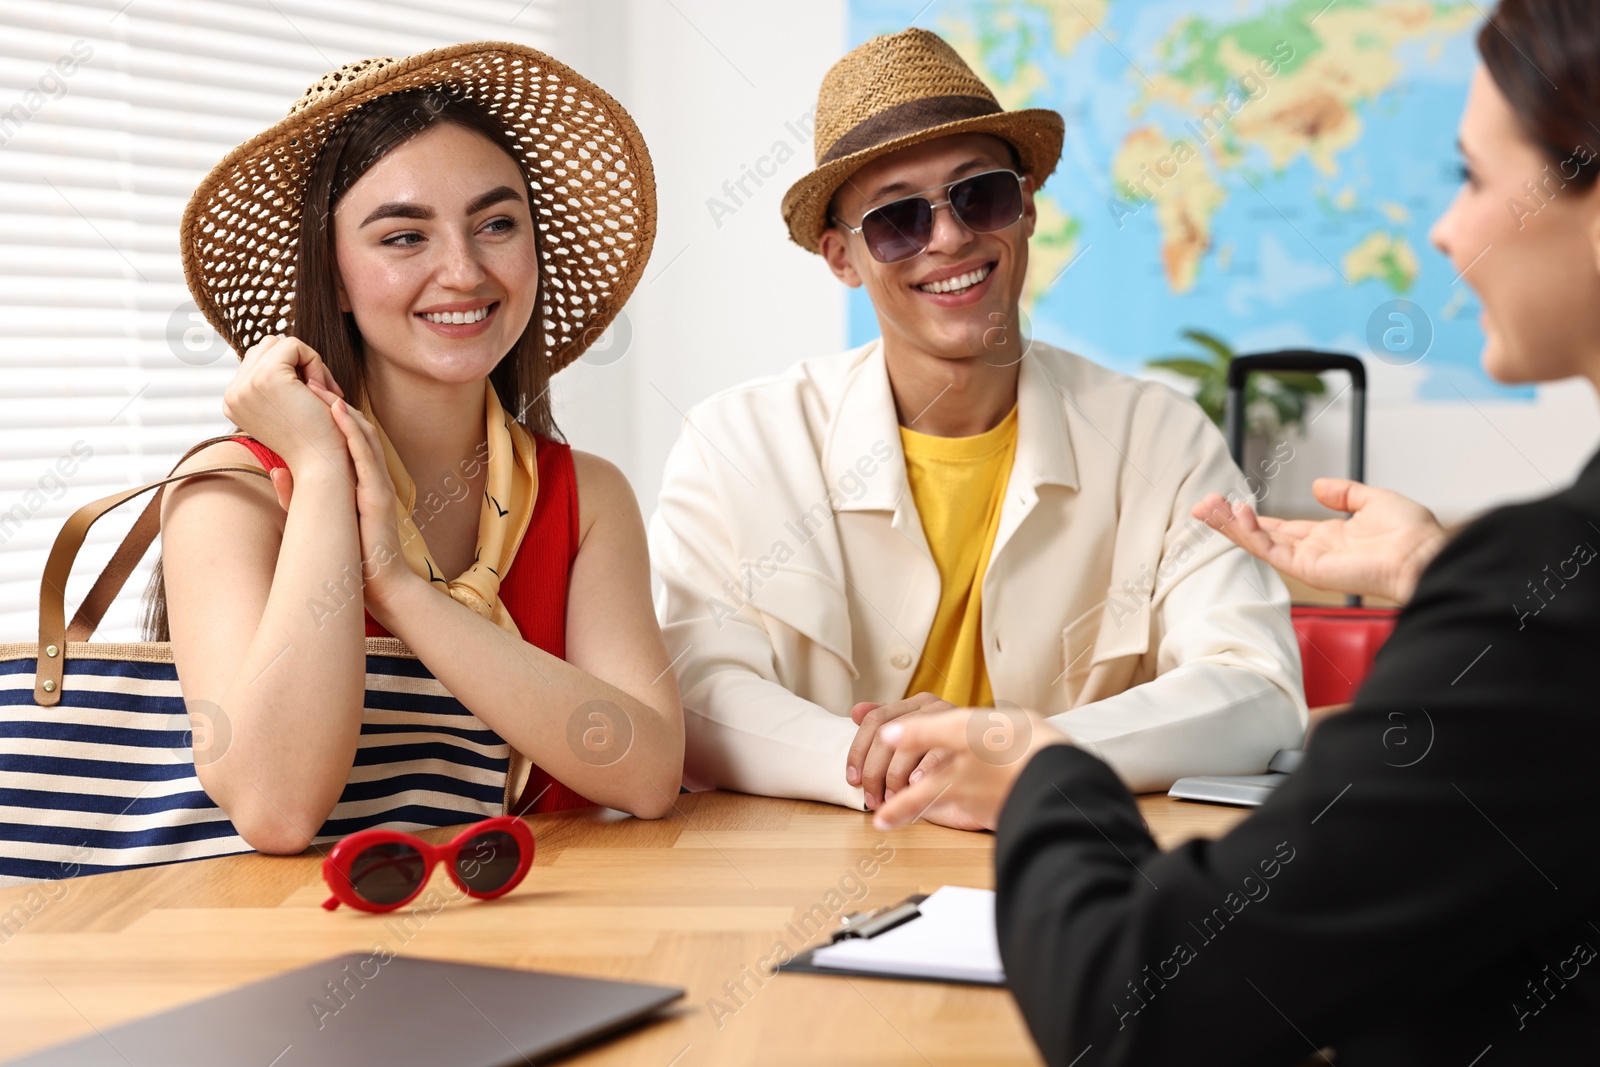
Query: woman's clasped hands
284,396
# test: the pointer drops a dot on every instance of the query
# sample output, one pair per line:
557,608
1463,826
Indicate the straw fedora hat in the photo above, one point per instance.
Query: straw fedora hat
593,191
900,90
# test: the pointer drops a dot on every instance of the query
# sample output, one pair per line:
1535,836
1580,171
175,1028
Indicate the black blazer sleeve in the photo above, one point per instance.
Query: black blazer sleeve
1405,897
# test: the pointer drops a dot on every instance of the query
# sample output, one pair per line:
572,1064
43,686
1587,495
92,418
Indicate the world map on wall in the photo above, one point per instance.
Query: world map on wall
1264,170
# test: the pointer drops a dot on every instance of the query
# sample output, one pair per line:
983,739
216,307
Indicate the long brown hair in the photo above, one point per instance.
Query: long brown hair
1544,55
521,380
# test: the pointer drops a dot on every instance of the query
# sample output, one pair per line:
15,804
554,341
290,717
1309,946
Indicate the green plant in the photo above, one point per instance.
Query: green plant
1273,400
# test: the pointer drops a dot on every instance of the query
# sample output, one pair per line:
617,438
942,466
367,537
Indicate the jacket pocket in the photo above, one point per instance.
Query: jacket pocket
808,608
1115,628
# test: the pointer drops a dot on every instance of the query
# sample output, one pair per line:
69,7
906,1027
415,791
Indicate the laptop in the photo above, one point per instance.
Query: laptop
362,1009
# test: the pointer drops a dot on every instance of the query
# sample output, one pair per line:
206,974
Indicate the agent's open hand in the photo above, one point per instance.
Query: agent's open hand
982,752
1380,550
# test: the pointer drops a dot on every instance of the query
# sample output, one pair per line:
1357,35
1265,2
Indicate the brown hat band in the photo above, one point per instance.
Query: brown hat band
910,117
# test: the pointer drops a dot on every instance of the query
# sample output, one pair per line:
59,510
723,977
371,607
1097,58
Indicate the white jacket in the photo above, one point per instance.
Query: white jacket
796,580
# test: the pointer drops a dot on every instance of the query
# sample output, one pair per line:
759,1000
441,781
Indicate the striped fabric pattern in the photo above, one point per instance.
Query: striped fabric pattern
106,780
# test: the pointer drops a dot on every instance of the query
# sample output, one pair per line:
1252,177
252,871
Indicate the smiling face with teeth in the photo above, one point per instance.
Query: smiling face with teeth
436,260
942,303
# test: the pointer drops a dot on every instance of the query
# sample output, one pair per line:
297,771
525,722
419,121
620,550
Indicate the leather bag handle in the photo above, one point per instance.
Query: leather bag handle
53,630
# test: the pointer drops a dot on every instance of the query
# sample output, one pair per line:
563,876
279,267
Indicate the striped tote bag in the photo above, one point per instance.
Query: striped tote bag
96,764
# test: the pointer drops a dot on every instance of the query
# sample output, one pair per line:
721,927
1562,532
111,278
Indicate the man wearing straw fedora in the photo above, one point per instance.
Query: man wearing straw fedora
953,514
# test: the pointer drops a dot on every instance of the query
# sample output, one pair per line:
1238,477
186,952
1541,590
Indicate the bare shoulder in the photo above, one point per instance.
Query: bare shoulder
208,499
604,494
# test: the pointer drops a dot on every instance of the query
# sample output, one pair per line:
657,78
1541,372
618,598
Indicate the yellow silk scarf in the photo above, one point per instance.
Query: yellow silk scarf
509,493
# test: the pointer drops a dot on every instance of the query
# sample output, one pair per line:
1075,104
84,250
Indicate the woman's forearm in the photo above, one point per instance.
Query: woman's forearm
294,704
546,708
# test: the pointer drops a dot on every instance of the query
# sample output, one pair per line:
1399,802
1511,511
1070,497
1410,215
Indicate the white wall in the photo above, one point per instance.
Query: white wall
1461,459
715,86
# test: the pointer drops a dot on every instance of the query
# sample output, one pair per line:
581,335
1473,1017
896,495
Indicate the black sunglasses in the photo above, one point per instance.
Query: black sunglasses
903,228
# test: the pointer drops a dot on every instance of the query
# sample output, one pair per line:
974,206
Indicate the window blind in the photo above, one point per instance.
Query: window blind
110,114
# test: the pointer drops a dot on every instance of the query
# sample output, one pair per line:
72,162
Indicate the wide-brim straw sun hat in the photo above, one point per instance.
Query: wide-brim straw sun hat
593,189
900,90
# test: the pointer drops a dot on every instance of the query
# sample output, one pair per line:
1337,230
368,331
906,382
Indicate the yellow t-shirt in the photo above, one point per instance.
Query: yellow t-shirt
958,484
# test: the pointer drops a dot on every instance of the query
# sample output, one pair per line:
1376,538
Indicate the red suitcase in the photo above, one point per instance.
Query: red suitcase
1337,644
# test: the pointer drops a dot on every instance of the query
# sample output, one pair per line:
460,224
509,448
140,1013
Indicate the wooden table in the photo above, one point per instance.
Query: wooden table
696,901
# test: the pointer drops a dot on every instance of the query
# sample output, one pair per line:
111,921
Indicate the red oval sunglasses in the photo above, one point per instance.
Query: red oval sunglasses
381,870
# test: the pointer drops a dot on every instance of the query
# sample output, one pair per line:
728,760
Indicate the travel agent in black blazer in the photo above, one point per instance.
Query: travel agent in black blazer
1424,889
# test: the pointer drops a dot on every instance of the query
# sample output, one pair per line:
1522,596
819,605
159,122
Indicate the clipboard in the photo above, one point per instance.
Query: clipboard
946,937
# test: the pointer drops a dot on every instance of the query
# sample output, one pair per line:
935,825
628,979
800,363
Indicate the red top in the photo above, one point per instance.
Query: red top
533,589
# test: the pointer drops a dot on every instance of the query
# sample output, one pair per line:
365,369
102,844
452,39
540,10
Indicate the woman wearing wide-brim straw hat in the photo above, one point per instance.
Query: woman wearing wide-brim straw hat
402,263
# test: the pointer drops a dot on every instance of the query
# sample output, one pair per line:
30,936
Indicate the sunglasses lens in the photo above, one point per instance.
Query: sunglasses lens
387,873
988,202
488,861
899,230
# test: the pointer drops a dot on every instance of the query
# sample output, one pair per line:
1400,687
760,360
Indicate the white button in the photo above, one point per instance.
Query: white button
900,661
